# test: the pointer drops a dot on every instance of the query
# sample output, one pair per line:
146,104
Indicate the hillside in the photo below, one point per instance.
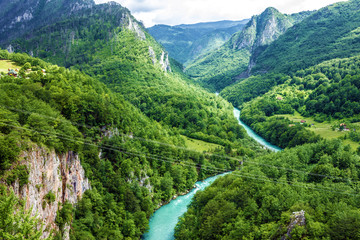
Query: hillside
306,193
332,32
232,61
19,17
130,61
125,116
187,42
325,96
69,115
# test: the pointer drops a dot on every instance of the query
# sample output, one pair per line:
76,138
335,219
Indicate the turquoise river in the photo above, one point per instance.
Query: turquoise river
163,222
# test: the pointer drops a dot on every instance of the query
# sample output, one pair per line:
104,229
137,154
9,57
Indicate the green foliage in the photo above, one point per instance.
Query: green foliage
331,32
232,61
217,69
257,202
19,172
69,111
50,197
15,222
64,216
9,149
251,87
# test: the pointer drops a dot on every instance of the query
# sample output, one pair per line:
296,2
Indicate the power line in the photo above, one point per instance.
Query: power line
212,169
184,148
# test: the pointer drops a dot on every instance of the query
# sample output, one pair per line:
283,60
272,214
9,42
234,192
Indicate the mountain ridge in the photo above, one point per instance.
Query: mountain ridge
232,61
188,41
21,17
331,32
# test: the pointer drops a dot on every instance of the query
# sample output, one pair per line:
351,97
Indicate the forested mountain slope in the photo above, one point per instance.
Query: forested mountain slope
19,17
129,60
308,192
127,131
223,66
122,151
332,32
326,94
186,42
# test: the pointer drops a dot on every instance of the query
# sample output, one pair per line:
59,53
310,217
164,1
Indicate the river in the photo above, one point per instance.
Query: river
253,134
162,223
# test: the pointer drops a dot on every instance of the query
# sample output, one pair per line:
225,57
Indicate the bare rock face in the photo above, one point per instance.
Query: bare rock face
10,49
164,62
262,30
152,55
61,175
297,219
134,26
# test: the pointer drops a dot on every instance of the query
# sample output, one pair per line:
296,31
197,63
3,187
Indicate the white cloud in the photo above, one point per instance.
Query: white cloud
173,12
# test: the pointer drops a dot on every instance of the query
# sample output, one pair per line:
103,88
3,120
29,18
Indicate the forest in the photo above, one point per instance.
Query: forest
100,86
67,110
259,201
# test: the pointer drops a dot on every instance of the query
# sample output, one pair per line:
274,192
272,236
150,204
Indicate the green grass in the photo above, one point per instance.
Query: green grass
324,129
198,145
6,64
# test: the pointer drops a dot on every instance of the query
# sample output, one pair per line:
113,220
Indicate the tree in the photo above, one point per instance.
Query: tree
20,225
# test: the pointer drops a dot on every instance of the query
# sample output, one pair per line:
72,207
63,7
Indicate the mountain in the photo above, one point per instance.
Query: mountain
332,32
232,61
188,41
120,117
19,17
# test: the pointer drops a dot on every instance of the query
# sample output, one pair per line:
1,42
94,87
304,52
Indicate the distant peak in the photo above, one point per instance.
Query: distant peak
112,3
270,10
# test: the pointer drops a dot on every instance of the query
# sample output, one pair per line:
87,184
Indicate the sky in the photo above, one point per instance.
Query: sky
174,12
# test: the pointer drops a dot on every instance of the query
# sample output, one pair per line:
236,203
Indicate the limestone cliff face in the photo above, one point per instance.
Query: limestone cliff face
164,62
21,16
296,219
61,175
262,30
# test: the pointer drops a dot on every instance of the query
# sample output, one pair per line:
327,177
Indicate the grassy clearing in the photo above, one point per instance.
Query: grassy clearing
198,145
6,64
324,129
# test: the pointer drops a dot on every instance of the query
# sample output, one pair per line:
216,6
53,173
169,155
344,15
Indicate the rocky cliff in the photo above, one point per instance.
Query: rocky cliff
51,174
235,58
21,16
262,30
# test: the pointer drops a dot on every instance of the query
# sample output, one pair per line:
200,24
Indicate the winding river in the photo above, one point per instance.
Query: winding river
253,134
163,222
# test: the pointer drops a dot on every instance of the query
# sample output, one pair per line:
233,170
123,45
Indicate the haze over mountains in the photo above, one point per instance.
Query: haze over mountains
186,42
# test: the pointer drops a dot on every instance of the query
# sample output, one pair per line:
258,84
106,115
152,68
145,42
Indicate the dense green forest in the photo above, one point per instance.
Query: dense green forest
230,62
252,87
121,59
258,202
332,32
327,93
68,110
128,111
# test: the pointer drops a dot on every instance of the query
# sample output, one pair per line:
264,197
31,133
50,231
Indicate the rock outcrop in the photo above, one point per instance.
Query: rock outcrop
50,173
164,62
296,219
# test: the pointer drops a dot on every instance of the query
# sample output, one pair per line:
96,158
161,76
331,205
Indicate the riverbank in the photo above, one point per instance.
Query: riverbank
254,135
162,223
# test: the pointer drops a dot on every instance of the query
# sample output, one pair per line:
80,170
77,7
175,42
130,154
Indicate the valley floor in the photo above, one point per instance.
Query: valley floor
324,129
